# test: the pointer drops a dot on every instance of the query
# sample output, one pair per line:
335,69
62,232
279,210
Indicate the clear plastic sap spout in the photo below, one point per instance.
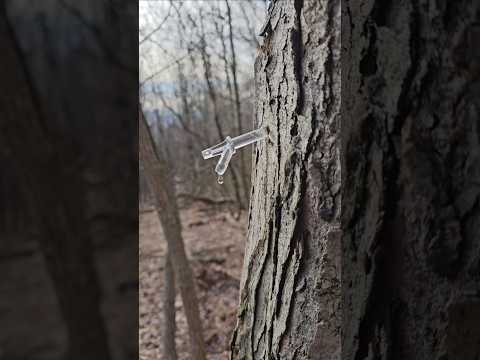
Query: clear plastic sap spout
226,155
228,147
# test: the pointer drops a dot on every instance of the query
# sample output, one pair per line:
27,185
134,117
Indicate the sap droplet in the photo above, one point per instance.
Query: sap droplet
220,180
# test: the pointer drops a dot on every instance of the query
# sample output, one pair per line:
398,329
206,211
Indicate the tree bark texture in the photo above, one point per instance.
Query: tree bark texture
161,185
411,175
290,289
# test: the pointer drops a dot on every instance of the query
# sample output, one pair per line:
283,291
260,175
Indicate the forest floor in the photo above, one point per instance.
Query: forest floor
215,242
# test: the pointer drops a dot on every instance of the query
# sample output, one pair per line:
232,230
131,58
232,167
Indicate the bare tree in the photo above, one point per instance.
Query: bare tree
168,332
238,111
251,37
157,175
212,93
206,103
290,289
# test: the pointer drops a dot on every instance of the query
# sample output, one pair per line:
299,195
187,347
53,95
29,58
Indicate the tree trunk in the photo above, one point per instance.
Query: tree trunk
216,113
290,289
238,111
168,333
156,173
411,166
56,193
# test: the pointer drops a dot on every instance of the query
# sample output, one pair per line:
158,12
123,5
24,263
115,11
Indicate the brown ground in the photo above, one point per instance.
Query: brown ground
214,242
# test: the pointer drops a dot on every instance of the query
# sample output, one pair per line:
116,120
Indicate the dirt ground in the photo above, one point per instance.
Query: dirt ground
215,243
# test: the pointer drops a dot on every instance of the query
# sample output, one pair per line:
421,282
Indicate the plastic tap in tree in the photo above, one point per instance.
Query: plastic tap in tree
229,146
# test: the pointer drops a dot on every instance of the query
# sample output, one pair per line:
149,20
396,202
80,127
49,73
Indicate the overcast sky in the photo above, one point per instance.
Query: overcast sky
162,52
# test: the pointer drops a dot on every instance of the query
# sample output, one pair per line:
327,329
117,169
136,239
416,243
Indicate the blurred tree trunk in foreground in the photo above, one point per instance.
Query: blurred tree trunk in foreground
161,185
290,290
411,167
79,162
64,240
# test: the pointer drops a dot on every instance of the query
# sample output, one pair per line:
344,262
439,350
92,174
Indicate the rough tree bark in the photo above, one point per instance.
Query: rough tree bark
159,181
411,166
290,289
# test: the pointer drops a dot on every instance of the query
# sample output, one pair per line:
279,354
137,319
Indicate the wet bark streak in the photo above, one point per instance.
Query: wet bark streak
290,270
